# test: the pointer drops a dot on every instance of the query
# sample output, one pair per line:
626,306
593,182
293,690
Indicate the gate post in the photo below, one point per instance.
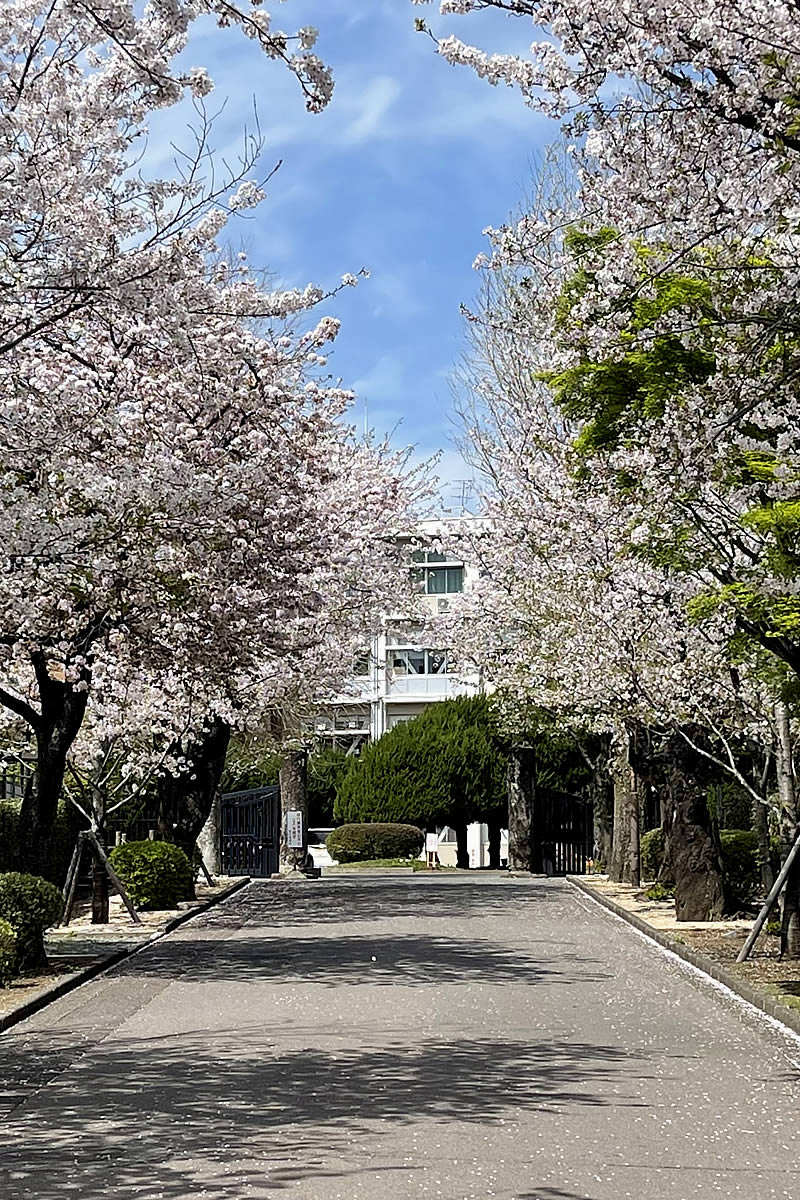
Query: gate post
294,798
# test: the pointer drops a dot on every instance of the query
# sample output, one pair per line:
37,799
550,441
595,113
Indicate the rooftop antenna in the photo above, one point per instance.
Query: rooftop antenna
464,495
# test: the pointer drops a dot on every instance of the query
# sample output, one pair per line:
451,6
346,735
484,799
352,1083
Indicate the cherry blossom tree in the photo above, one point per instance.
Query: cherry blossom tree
568,618
685,184
180,491
673,332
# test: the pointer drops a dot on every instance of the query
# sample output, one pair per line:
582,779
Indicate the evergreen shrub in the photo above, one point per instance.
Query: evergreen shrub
651,853
30,904
445,767
657,891
741,872
8,952
62,840
156,874
357,843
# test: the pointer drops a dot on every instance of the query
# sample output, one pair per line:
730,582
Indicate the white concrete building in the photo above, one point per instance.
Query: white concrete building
400,673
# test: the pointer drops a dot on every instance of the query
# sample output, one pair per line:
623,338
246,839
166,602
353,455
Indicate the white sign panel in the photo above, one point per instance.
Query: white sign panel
431,843
294,829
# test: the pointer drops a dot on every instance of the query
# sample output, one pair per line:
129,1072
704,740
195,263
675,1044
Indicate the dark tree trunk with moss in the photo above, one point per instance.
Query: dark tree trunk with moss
601,795
55,728
294,798
521,798
100,909
494,829
691,856
185,802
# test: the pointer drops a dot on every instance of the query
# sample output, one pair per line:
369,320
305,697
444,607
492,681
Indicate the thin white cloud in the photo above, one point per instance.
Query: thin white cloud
375,101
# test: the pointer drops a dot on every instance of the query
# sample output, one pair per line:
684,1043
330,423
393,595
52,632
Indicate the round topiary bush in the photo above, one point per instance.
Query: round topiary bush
8,952
651,853
30,905
357,843
156,874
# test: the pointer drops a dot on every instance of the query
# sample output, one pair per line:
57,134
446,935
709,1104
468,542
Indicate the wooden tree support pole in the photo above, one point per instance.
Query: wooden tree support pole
116,882
769,903
206,872
71,883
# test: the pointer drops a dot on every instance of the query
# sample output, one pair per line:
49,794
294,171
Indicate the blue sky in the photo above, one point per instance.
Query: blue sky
410,162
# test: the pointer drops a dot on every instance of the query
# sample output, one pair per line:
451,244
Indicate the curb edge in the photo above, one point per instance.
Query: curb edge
68,983
701,962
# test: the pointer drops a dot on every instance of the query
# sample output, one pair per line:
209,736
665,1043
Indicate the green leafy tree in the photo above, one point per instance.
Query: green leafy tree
326,771
444,767
254,763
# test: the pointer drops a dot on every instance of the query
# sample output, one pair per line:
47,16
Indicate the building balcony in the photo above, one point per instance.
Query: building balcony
426,687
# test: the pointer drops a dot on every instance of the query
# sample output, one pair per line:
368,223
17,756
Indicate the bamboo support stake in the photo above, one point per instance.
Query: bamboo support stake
71,883
769,903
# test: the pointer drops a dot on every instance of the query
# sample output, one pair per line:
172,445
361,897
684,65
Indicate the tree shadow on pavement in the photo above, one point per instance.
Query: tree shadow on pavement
177,1117
406,959
273,903
548,1193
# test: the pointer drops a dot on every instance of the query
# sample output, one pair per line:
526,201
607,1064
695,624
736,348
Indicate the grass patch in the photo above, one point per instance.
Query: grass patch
415,863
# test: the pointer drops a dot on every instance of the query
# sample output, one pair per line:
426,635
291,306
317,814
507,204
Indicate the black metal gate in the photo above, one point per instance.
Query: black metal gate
250,832
562,833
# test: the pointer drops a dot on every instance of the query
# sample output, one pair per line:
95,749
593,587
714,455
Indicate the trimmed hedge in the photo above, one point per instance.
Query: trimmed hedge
8,952
357,843
156,874
30,905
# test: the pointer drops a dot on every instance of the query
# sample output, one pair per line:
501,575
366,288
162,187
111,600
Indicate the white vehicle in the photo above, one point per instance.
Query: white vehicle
317,848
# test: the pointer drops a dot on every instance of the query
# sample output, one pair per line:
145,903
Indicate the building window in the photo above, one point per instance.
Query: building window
418,662
439,574
361,663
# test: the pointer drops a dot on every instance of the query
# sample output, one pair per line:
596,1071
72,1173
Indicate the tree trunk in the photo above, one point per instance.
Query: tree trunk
99,814
494,845
99,892
787,803
62,710
208,839
521,786
619,867
462,852
294,798
602,798
185,802
636,829
690,853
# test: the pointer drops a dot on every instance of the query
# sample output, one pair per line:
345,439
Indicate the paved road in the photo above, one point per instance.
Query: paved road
481,1039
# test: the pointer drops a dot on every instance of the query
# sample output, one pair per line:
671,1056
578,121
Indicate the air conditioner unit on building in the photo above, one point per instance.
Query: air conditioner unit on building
442,605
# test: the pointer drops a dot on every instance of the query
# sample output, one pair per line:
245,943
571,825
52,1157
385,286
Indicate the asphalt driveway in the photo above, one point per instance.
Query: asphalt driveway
466,1038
